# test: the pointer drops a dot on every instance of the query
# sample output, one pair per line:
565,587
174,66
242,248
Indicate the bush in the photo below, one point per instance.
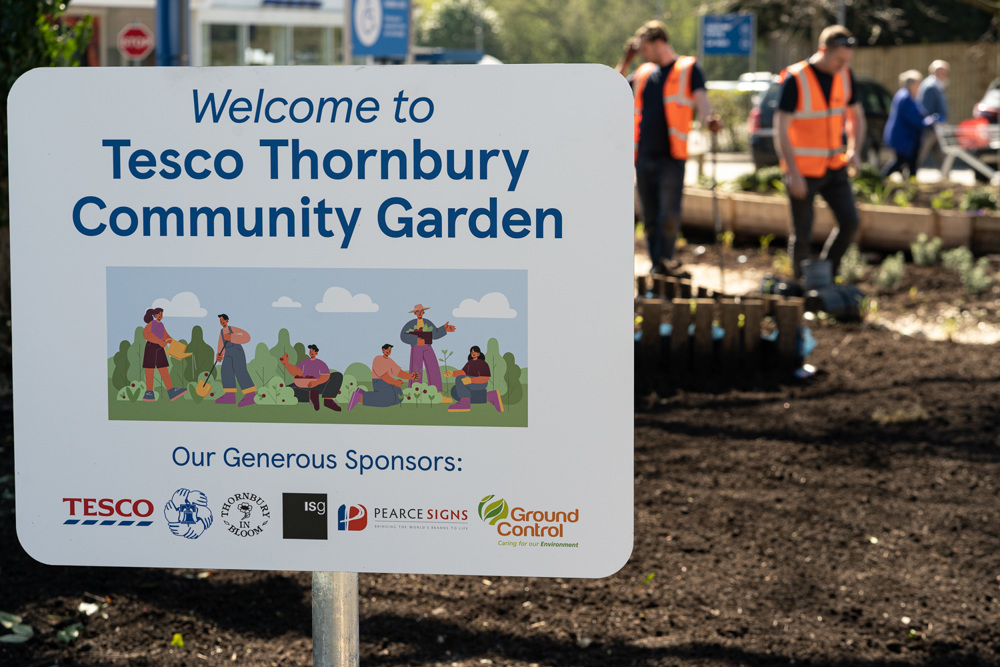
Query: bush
767,179
891,272
959,259
853,266
979,199
925,251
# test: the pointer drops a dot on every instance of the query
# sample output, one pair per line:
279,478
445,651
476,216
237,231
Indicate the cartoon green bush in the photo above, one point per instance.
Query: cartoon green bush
119,377
275,392
515,392
347,387
133,391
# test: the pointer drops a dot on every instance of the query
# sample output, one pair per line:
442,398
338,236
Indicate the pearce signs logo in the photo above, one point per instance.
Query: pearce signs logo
491,510
108,512
352,517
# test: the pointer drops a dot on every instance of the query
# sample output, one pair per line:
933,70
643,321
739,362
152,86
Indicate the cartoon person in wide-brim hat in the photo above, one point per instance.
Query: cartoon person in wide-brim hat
419,333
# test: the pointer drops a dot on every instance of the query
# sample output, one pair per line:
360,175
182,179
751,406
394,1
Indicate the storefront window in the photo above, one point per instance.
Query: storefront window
309,46
272,45
266,45
223,45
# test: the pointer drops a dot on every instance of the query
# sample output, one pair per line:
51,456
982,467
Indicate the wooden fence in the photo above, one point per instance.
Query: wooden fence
973,67
693,353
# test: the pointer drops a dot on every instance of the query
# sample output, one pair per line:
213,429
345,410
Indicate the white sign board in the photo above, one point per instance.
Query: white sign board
475,219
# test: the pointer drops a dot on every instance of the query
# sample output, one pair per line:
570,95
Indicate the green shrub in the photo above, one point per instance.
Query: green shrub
958,259
944,200
977,278
925,251
979,199
891,272
853,266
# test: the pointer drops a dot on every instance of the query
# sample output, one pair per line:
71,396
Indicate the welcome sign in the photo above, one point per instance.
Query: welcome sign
353,319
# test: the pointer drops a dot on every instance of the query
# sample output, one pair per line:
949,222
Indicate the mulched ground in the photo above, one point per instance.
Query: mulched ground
851,519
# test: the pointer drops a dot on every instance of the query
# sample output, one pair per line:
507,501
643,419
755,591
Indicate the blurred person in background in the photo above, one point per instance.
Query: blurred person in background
669,89
817,109
905,126
930,96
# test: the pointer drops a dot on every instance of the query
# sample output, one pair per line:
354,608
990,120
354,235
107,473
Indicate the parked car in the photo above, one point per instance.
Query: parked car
989,106
874,98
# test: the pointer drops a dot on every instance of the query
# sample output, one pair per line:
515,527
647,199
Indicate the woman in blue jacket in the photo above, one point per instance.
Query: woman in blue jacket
906,123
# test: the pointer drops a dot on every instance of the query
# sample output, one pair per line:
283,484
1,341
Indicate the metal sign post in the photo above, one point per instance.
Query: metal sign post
335,619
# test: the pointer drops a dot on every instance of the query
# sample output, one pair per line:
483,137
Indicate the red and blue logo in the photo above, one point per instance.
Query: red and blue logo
352,517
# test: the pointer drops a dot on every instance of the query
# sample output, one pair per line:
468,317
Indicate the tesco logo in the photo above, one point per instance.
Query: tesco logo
126,507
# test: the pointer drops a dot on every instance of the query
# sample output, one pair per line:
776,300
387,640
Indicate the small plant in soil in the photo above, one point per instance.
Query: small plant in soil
853,265
979,199
891,272
926,252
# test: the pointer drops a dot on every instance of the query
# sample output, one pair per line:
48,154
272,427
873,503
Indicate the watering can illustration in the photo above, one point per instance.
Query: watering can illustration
178,350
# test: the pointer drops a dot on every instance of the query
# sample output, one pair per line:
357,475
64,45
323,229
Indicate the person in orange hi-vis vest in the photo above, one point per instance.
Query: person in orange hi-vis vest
669,90
817,111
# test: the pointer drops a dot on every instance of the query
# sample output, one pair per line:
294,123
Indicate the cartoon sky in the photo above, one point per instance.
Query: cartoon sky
347,313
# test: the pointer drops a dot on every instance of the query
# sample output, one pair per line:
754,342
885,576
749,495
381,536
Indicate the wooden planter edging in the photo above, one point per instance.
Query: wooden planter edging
692,352
888,228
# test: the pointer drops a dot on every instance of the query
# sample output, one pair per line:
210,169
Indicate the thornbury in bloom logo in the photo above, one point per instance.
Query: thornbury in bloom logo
245,514
352,517
527,522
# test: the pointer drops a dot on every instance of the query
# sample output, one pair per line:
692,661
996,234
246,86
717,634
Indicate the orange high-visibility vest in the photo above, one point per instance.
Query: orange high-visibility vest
678,103
817,129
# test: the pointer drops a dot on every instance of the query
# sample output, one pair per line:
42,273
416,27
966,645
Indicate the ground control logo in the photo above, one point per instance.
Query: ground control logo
492,509
352,517
187,513
245,514
534,527
108,512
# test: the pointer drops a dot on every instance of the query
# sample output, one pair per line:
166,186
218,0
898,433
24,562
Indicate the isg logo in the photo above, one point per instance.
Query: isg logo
122,512
352,517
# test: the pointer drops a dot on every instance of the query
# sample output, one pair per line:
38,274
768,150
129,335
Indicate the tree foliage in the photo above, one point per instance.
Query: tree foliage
31,37
875,22
454,24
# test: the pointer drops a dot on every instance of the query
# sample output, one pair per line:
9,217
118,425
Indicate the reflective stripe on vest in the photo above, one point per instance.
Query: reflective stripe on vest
817,127
678,104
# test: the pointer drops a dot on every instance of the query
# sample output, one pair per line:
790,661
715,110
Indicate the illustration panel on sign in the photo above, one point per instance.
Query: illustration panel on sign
358,346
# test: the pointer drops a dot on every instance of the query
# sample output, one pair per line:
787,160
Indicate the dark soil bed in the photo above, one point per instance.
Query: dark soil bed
852,519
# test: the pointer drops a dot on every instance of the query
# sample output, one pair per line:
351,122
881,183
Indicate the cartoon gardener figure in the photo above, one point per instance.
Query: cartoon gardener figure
234,364
154,356
419,333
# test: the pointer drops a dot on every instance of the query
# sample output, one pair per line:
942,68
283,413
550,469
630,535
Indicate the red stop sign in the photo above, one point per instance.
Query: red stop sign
135,41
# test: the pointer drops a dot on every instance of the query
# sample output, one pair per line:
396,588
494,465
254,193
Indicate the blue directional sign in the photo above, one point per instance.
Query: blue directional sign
380,28
728,34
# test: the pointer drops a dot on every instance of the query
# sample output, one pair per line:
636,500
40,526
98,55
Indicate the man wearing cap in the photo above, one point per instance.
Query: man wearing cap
669,92
387,383
816,109
419,333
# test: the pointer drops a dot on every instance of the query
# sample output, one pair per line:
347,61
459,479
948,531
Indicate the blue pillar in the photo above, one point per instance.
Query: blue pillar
168,32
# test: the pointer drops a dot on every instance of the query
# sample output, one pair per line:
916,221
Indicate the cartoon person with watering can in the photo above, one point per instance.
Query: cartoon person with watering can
234,364
155,355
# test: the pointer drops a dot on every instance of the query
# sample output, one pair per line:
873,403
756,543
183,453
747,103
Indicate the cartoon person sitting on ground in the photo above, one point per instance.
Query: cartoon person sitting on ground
155,356
387,383
471,387
314,380
234,364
